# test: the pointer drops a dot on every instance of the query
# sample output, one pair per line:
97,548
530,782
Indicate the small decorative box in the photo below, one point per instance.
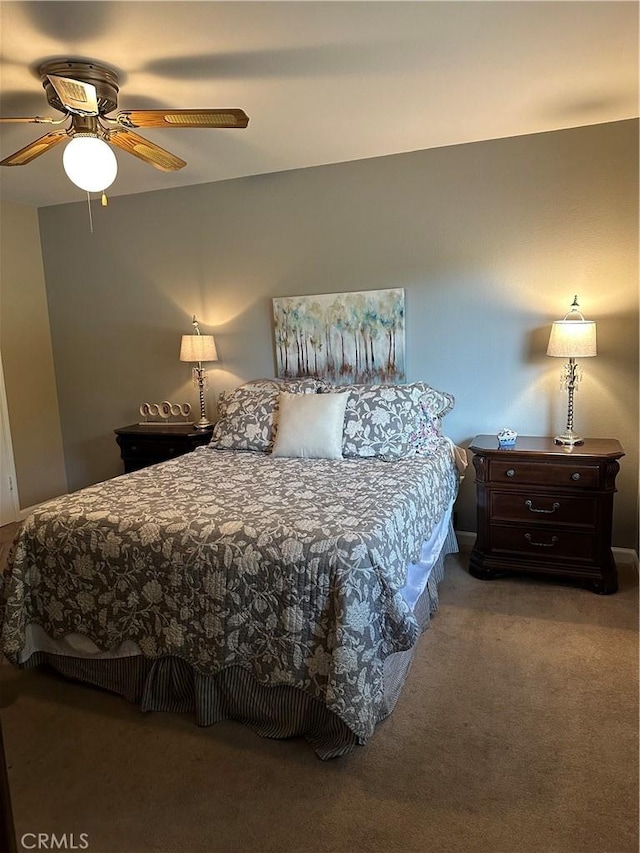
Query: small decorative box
507,437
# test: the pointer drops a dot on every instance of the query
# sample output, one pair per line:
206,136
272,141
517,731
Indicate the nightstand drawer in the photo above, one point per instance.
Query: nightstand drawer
550,474
544,509
542,544
154,449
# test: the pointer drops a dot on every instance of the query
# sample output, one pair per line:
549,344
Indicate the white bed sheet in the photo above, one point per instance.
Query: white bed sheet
418,573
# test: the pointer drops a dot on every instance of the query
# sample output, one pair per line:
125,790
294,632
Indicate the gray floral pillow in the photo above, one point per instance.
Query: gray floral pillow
389,420
434,403
304,385
380,420
247,415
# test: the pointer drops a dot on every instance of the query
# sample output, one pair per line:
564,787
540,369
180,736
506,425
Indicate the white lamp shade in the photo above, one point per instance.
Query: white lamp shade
198,348
90,163
573,339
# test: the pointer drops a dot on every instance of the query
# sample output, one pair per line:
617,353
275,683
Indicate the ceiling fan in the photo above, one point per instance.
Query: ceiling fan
86,93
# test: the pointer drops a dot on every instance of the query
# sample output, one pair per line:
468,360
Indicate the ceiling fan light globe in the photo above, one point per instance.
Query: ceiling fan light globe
90,163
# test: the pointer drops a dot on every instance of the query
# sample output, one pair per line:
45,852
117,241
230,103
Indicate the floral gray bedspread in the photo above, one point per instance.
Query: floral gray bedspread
290,568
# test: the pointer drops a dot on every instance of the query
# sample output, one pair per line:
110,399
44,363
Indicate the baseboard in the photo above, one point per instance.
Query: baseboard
466,539
625,556
622,556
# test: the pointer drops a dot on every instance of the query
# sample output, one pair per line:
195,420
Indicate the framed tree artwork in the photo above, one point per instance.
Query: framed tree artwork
341,337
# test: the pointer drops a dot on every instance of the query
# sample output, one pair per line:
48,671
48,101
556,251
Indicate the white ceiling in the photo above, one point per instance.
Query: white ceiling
322,82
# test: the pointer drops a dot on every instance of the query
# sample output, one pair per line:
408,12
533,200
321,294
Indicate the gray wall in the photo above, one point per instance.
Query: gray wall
27,359
490,241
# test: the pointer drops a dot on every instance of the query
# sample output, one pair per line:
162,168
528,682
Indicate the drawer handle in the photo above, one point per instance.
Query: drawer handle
511,473
554,539
532,508
575,476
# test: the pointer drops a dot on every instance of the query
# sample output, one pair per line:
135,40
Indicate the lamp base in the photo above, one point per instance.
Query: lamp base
203,423
568,438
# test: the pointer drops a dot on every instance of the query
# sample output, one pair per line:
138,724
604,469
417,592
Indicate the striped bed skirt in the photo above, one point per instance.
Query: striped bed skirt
274,711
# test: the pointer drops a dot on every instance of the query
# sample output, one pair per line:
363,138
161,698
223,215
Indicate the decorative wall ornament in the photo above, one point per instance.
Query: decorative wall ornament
341,337
161,413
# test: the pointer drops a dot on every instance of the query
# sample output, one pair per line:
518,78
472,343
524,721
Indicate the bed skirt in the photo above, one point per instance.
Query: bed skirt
274,711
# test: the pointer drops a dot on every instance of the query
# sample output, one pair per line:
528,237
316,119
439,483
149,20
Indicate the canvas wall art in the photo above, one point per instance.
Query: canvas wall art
341,337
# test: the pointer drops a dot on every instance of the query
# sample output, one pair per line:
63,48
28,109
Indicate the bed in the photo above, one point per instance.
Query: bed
255,583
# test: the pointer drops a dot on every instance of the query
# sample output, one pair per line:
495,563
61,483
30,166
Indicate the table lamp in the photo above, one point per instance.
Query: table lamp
572,337
198,348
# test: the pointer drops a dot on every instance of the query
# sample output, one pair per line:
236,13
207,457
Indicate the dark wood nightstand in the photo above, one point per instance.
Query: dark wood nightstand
546,508
146,444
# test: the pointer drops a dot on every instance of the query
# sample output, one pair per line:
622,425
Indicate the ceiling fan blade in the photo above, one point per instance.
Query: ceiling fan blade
145,150
35,149
182,118
76,96
32,120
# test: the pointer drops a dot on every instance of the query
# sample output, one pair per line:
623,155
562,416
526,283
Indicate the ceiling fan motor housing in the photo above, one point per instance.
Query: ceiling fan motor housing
86,92
103,78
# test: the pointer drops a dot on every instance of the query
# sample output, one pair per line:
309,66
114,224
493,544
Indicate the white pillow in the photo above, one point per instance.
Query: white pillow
310,425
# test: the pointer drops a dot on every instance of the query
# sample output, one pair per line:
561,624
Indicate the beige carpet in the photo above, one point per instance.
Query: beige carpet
517,731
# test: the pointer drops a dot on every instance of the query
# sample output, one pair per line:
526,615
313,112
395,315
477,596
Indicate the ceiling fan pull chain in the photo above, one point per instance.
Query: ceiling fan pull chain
105,200
90,217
